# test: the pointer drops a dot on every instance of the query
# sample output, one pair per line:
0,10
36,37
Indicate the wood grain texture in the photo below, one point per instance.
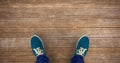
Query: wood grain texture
60,42
60,23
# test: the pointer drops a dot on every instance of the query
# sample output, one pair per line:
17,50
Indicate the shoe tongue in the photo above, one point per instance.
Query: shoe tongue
81,51
38,51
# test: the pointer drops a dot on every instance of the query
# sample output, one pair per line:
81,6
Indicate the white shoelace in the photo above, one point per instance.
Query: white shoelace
38,51
81,51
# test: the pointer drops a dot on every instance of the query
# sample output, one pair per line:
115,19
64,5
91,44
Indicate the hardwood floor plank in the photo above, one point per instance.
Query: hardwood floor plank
65,5
58,1
58,13
59,42
29,23
56,32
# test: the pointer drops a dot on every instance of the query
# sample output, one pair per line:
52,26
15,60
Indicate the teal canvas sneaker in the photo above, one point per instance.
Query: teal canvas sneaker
82,46
37,46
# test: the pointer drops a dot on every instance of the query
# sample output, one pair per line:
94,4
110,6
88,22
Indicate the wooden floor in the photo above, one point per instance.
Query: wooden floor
60,23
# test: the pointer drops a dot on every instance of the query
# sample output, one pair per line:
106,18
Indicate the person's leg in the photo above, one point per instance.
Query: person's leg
77,59
82,47
42,59
38,50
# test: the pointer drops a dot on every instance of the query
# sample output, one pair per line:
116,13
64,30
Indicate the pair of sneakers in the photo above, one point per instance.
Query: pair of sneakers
37,46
